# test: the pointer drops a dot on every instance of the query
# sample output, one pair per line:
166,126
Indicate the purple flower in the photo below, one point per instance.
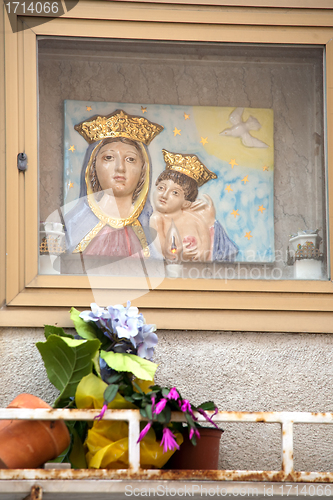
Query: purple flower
144,432
202,412
160,406
128,328
168,441
95,314
194,431
173,394
101,415
146,341
126,324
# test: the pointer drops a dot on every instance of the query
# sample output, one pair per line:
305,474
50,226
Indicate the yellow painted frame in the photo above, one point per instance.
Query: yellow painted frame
239,305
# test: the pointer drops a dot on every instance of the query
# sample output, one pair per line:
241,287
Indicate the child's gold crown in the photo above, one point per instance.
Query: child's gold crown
118,124
189,165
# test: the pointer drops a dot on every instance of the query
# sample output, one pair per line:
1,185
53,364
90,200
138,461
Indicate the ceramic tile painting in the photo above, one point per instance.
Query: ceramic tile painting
182,182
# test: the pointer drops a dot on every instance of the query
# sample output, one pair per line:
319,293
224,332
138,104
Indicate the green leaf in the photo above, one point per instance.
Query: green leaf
63,457
189,420
143,412
137,387
208,406
129,399
110,392
136,396
140,367
161,418
165,392
167,414
114,378
67,361
55,330
194,440
96,364
77,455
149,412
85,330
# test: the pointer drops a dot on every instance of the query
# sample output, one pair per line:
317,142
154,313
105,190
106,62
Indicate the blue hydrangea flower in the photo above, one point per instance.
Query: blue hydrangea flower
124,325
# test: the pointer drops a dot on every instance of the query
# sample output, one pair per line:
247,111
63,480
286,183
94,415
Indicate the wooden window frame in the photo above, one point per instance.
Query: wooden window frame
238,305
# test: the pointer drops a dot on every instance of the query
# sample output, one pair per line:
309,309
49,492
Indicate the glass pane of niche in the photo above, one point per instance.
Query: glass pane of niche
201,161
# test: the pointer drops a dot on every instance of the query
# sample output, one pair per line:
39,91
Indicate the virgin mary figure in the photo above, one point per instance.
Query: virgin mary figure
112,215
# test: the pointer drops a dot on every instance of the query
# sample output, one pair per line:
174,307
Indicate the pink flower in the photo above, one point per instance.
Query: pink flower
153,404
101,415
144,432
168,441
160,406
173,394
186,406
194,431
204,414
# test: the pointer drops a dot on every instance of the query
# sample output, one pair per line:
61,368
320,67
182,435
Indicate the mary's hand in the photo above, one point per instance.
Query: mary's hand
204,210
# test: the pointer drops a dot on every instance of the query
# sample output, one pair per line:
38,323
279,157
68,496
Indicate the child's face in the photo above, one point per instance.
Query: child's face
169,197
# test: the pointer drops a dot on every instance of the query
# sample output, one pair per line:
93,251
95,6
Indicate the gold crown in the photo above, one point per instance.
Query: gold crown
118,124
189,165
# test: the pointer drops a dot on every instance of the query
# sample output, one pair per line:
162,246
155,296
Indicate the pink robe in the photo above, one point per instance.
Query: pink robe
115,242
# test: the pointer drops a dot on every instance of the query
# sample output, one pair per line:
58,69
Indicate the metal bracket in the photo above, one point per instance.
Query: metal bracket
22,162
36,493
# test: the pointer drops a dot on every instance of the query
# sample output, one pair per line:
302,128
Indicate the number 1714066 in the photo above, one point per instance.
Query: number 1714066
310,490
33,8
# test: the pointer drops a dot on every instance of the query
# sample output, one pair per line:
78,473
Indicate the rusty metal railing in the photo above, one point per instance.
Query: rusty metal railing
133,417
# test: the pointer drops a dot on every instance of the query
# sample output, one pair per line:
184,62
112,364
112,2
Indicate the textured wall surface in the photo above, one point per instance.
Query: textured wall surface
239,371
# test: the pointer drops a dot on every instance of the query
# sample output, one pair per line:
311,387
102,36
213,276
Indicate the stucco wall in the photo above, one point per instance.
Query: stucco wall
239,371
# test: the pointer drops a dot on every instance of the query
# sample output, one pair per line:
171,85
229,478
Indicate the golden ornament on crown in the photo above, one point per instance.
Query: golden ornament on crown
119,124
189,165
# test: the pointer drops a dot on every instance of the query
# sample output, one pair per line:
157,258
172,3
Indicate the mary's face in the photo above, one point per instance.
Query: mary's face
118,168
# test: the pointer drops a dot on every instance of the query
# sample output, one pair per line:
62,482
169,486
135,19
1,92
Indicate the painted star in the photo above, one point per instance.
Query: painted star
235,213
204,140
71,149
176,132
261,208
265,168
228,188
88,108
144,110
248,235
70,185
245,180
233,163
187,117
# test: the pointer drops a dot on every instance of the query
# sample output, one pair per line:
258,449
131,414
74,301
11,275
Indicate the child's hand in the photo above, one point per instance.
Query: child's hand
190,251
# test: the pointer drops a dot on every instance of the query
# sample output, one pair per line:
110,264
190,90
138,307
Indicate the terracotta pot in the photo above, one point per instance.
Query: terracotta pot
28,444
203,456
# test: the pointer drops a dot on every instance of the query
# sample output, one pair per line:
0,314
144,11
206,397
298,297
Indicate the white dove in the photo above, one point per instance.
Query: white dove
241,129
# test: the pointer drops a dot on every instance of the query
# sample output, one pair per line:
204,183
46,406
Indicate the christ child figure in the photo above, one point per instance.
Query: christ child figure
175,193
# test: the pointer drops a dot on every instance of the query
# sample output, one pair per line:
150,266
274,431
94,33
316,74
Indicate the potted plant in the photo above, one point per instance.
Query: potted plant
29,443
108,364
